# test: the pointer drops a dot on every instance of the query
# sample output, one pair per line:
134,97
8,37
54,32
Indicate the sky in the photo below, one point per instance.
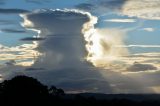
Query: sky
98,46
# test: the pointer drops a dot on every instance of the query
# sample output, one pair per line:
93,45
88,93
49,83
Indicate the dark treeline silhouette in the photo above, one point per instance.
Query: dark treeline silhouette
27,91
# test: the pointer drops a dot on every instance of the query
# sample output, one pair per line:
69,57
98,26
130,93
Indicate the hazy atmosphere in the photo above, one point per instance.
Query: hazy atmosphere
98,46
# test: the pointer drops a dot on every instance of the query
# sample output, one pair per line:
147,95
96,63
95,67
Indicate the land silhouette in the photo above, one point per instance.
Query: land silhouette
28,91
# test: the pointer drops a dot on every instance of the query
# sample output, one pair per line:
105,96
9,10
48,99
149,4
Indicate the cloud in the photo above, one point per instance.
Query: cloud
63,50
148,29
136,67
32,39
63,54
151,58
12,31
101,46
20,55
55,23
138,46
12,11
146,9
121,20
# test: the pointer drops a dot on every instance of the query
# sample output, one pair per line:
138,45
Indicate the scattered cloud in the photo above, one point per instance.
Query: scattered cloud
121,20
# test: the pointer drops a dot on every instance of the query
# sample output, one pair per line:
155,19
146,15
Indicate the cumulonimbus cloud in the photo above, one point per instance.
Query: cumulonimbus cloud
54,28
62,62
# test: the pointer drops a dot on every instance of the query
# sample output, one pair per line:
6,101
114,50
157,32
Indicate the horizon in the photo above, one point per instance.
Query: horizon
96,46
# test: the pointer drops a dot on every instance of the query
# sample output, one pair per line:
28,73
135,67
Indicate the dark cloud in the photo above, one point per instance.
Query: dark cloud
12,11
64,44
13,31
32,39
64,51
34,69
141,67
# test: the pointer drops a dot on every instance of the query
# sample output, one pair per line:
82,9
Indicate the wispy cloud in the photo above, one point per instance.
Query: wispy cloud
139,46
148,29
12,11
12,31
121,20
32,39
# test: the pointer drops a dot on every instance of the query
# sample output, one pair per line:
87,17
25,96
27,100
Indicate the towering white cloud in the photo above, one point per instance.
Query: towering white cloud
64,44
